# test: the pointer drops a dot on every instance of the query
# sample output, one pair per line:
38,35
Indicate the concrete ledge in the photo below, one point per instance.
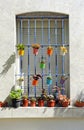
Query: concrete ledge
42,112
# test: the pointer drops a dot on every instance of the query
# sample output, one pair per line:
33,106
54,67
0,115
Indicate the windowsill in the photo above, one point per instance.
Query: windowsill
42,112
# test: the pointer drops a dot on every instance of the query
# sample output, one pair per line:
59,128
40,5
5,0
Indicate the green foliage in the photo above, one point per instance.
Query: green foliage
16,94
20,46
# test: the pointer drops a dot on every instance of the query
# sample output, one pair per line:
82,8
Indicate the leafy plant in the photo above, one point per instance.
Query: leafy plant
16,94
33,99
20,46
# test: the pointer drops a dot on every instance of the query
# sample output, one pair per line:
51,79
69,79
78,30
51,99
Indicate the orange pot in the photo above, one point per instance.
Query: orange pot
40,103
79,104
51,103
25,102
21,52
1,104
32,104
35,82
35,51
65,104
49,52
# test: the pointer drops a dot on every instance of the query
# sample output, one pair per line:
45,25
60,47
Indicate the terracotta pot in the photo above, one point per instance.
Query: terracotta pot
33,104
35,82
35,51
79,104
21,52
1,104
25,102
51,103
40,103
42,65
49,52
65,104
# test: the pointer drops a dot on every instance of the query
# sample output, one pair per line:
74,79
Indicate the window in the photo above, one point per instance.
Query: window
46,29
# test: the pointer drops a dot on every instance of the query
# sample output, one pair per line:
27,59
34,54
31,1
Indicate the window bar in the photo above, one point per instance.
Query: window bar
56,51
42,52
21,41
35,55
49,56
63,57
28,56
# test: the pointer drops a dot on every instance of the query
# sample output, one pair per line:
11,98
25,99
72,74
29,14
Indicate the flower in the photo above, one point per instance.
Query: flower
63,49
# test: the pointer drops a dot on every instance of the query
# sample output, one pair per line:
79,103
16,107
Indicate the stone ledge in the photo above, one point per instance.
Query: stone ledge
42,112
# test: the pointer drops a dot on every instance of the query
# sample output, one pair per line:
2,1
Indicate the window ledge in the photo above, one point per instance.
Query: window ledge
42,112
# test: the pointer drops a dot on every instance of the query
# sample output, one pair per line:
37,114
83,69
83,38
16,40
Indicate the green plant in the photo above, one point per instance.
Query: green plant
49,77
16,94
33,99
20,46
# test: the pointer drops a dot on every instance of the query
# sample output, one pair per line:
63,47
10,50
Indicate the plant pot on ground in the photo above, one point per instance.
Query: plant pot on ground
40,102
33,102
16,96
51,101
79,103
25,101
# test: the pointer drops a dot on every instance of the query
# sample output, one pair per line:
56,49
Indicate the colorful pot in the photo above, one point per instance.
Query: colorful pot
35,82
65,104
40,103
1,104
42,65
51,103
49,81
79,104
21,52
49,52
35,51
33,104
25,102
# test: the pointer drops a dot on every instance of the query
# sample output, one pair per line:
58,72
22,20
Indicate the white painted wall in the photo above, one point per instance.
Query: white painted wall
8,10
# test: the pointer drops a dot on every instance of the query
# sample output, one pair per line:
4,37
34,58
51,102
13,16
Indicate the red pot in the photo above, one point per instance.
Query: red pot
35,51
51,103
49,52
40,103
25,102
65,104
1,104
79,104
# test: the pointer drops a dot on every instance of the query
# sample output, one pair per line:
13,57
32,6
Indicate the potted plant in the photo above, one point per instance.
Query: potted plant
1,103
35,79
16,96
63,50
25,101
49,80
50,50
40,102
20,48
35,47
51,101
64,101
79,103
42,63
33,102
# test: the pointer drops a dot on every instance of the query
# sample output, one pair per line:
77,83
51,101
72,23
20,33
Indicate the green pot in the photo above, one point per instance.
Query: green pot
42,65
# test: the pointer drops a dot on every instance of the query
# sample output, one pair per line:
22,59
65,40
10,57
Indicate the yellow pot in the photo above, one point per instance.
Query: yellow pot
21,52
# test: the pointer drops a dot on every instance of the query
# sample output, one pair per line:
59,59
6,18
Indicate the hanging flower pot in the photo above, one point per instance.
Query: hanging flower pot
63,50
34,82
63,79
42,65
35,79
49,50
49,80
35,48
20,48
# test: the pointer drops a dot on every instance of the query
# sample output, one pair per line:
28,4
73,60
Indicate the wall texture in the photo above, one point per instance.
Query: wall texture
8,10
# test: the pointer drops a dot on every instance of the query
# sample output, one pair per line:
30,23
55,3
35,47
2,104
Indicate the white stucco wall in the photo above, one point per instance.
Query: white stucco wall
8,10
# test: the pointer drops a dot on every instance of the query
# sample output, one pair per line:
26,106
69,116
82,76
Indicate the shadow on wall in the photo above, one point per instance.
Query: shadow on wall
8,64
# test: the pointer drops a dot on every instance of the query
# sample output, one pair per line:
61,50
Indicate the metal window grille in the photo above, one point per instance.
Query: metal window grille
47,30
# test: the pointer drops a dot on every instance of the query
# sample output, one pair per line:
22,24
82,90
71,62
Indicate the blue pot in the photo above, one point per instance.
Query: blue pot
49,81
